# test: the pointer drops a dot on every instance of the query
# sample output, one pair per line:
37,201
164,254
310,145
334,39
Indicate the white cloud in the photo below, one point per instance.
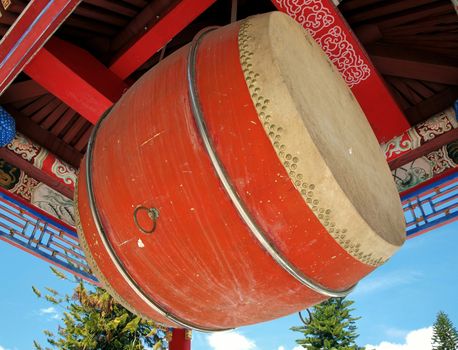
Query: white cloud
49,310
298,347
419,339
387,281
281,347
230,341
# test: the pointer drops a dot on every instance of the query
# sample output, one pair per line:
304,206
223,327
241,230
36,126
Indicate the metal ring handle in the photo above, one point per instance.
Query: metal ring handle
302,317
152,213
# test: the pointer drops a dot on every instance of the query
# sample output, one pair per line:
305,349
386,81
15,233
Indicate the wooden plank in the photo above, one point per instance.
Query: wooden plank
352,5
74,130
22,91
63,121
114,7
38,104
84,139
39,20
40,115
146,18
100,15
157,36
44,138
432,105
415,15
90,26
413,64
387,8
54,116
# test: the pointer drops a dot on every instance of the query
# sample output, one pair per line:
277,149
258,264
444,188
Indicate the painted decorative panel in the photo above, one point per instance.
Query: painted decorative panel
418,135
425,168
40,195
43,160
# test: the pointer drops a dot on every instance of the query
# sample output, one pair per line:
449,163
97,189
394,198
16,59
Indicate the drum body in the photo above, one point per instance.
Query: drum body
239,161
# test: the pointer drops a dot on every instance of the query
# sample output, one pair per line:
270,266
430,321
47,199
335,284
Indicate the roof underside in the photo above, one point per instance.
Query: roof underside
413,43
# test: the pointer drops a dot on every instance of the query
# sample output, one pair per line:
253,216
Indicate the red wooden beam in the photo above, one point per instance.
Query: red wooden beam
76,77
157,36
424,149
329,29
39,20
414,64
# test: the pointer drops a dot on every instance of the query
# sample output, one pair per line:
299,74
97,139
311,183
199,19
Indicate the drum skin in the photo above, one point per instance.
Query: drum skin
202,263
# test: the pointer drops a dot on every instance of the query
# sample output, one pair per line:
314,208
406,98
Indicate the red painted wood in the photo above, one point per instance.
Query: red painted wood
76,77
29,33
414,64
202,263
45,138
328,27
22,91
424,149
157,36
36,173
180,340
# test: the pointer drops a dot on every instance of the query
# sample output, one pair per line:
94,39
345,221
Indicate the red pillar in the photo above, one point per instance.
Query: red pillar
181,339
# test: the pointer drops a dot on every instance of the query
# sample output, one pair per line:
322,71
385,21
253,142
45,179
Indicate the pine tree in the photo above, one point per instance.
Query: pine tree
445,336
93,320
331,327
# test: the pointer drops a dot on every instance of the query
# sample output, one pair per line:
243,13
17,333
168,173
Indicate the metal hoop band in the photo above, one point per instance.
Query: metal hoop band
232,193
109,248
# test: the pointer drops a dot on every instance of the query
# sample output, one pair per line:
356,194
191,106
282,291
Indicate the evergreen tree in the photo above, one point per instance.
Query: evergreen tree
92,320
445,336
331,327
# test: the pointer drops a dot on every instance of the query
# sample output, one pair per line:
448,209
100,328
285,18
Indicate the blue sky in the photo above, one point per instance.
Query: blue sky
398,301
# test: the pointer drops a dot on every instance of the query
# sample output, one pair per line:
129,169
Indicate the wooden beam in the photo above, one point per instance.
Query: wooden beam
157,36
45,138
424,149
432,105
76,77
413,64
22,91
39,20
36,173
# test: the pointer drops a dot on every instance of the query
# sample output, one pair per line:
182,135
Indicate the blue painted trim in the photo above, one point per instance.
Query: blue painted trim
39,215
431,224
57,262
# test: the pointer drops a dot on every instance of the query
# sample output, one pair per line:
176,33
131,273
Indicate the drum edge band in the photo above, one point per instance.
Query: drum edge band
109,248
230,190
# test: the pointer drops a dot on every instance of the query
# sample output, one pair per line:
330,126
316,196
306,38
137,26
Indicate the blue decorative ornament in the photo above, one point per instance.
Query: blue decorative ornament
7,127
456,109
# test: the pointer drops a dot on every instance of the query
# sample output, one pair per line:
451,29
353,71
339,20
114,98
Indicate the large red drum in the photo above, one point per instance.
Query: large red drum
236,182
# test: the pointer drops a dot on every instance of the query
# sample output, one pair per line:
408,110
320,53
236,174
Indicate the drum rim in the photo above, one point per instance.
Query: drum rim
254,228
228,187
